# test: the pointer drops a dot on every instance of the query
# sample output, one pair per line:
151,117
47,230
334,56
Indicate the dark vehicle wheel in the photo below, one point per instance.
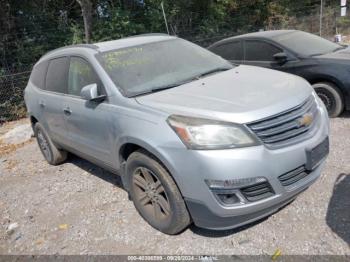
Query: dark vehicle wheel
331,97
52,154
155,194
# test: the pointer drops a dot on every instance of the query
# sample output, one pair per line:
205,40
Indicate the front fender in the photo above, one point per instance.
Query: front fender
155,137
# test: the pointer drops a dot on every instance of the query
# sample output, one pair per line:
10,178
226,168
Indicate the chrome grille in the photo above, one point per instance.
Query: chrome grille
287,127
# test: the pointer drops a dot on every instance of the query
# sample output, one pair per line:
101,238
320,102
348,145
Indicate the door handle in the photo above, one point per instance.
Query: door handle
42,103
67,111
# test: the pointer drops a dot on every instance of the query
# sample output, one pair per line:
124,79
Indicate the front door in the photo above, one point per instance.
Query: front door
260,53
87,121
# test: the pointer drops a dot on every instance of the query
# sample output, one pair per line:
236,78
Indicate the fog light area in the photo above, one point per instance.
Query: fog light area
229,199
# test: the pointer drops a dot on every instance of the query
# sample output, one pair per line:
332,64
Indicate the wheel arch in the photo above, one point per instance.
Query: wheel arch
33,121
130,145
331,80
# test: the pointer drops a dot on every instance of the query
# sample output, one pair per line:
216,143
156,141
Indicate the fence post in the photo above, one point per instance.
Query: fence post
321,17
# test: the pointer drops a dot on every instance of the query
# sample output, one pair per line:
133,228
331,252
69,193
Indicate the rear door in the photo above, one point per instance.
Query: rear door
231,51
260,53
50,100
87,121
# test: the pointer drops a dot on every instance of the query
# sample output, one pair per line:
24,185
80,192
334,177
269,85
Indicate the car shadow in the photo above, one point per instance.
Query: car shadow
95,170
345,114
223,233
338,213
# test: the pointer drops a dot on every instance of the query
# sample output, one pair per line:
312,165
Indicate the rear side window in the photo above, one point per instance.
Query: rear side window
260,51
80,75
230,51
37,76
56,78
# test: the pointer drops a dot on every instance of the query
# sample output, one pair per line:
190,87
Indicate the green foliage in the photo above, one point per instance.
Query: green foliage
12,105
344,22
77,34
118,25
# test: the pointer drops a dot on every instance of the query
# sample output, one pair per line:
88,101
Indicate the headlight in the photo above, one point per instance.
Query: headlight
198,133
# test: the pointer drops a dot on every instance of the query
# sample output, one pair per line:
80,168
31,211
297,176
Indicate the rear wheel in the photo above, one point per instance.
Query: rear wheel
51,153
155,194
331,97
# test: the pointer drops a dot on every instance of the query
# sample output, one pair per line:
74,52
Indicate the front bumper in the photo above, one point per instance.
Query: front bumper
203,217
191,168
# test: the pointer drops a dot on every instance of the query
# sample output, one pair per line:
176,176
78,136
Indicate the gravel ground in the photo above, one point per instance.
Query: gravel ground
78,208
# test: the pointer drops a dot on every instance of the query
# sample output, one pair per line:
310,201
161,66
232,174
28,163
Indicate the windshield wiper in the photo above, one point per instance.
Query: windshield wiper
335,50
212,71
339,48
161,88
318,54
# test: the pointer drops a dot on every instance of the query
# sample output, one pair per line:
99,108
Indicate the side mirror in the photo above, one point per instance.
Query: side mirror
281,58
90,93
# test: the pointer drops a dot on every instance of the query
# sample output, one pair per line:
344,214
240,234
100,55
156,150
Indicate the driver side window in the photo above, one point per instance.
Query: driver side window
260,51
80,74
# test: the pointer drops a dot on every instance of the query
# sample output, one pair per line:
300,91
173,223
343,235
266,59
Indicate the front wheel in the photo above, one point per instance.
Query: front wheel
155,194
331,97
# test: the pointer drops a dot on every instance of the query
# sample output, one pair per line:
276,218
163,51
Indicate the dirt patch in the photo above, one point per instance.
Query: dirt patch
11,145
11,164
7,126
6,149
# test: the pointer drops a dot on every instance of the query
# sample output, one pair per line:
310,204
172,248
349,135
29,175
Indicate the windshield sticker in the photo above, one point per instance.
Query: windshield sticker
125,58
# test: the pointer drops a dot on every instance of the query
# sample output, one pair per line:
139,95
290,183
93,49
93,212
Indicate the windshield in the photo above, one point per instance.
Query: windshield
306,44
159,65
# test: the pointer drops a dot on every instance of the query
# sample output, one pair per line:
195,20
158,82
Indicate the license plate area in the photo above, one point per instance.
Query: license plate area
317,154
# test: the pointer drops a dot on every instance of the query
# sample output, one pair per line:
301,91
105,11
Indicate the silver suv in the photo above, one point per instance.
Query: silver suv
194,138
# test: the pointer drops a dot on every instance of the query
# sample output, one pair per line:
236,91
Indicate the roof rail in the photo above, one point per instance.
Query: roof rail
91,46
148,34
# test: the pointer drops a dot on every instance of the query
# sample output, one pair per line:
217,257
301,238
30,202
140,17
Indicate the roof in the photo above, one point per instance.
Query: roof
132,41
268,34
262,34
117,44
72,46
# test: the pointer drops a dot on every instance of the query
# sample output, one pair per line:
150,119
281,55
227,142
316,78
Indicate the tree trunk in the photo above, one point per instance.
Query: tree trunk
86,9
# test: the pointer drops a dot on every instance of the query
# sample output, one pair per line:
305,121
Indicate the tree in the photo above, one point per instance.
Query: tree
86,9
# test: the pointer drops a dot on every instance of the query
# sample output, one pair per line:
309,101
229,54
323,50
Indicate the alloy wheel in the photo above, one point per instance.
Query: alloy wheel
150,194
326,98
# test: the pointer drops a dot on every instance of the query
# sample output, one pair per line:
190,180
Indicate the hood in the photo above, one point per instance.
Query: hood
242,94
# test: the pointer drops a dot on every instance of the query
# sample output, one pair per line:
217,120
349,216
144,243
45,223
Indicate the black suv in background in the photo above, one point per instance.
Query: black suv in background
326,65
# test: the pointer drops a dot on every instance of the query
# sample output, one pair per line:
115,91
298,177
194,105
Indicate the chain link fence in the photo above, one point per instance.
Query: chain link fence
12,105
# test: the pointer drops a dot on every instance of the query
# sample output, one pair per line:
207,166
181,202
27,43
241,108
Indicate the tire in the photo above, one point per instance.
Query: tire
331,97
51,153
155,195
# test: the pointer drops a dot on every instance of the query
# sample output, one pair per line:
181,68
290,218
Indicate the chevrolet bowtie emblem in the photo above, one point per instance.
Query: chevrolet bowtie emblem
305,120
